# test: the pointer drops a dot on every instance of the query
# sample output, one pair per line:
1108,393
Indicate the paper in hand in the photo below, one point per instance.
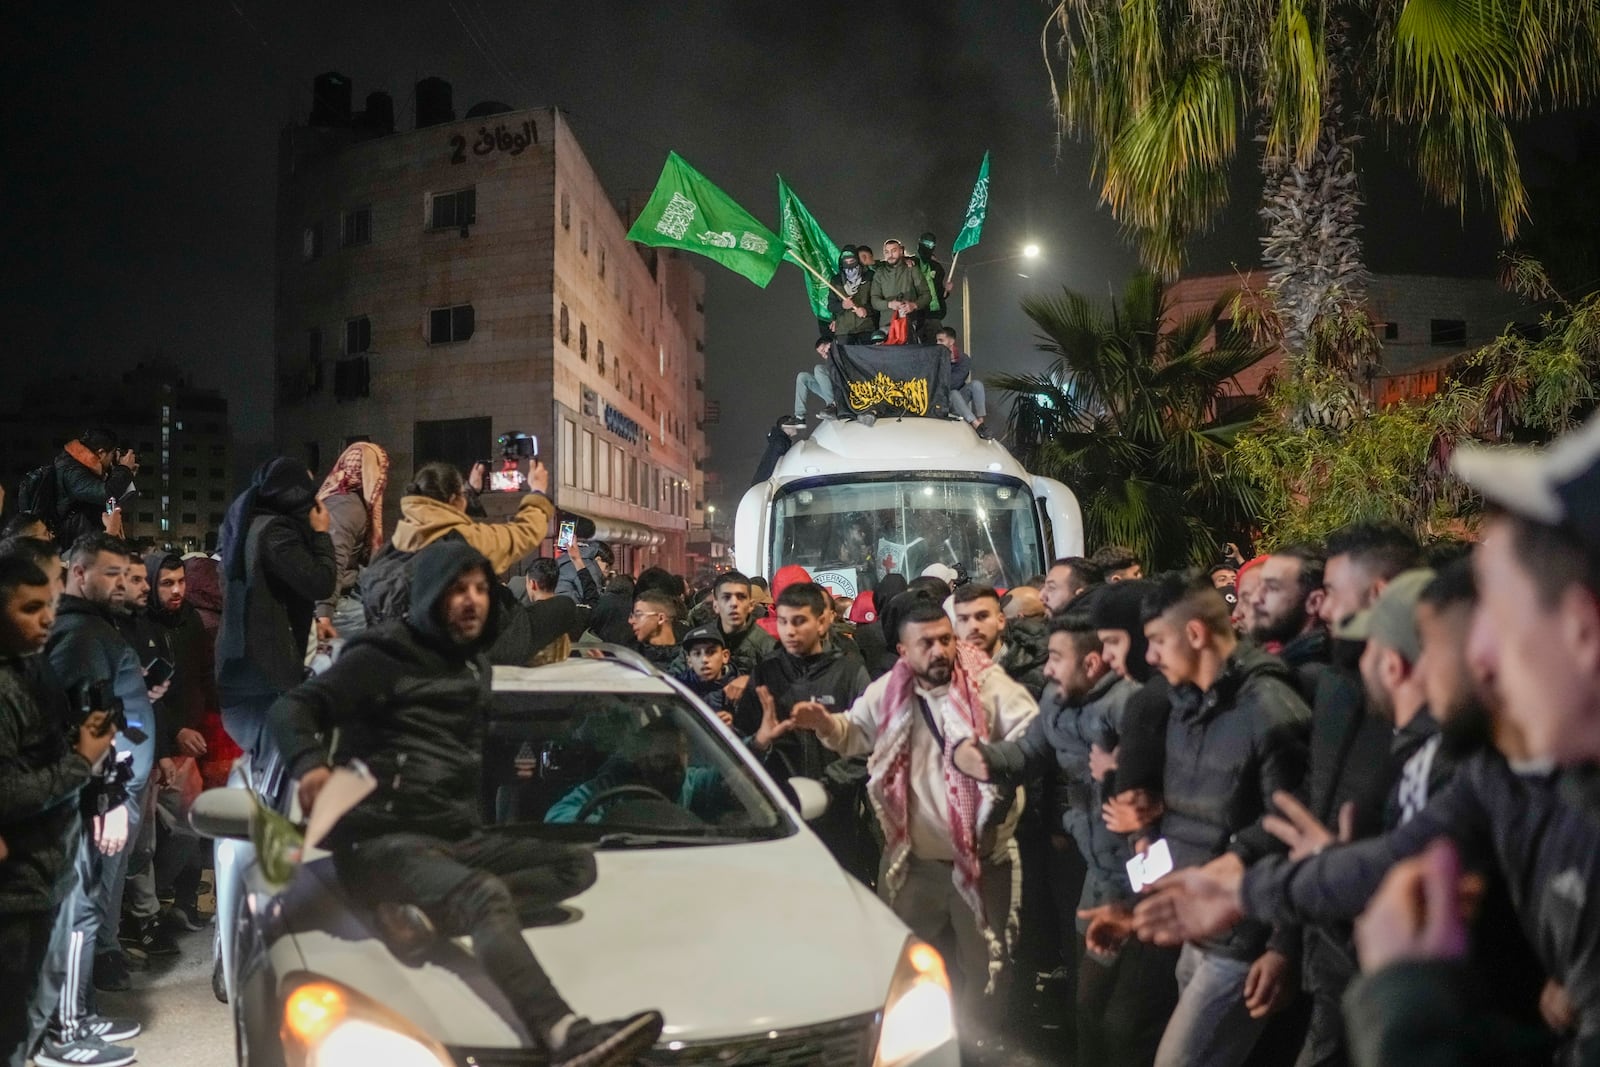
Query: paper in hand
346,787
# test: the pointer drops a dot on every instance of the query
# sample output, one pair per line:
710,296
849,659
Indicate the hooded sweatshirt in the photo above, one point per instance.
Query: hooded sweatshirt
410,703
275,568
82,492
194,688
424,520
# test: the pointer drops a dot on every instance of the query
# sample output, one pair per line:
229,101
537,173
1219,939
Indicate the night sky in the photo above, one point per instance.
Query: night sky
140,147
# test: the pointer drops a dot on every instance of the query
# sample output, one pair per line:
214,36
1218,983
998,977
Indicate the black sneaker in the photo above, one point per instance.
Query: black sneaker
613,1044
82,1052
790,420
830,412
111,973
183,917
148,938
983,431
107,1029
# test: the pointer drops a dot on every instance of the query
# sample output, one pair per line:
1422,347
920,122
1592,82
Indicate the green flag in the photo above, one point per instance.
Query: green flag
977,208
686,211
808,246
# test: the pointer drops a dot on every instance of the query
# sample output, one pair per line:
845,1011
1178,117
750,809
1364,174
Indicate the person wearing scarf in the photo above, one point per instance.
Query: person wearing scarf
353,494
949,860
277,562
853,317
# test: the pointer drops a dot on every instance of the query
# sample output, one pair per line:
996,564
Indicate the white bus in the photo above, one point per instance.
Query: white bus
853,503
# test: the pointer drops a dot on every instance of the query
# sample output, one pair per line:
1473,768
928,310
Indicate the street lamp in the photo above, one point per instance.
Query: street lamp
1028,251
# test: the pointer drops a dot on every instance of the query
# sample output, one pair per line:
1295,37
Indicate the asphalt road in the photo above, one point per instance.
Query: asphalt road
184,1025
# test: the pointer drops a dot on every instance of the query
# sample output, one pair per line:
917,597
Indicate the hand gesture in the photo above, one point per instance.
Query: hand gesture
311,784
1416,913
1191,904
94,738
1267,988
810,715
319,518
191,742
111,830
1130,812
159,691
476,475
1302,831
112,521
129,459
538,477
1109,926
770,729
733,692
325,629
1101,762
969,760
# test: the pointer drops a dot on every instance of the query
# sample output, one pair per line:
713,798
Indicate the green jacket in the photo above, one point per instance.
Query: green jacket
848,322
933,272
899,281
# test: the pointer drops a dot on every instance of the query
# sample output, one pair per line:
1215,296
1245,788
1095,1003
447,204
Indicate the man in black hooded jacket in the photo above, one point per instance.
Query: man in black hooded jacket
409,699
278,561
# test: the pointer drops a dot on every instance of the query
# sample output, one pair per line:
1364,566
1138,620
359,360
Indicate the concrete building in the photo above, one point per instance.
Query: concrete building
180,435
441,286
1424,323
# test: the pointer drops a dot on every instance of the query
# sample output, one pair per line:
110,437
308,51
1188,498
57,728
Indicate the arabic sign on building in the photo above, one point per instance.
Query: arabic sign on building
512,140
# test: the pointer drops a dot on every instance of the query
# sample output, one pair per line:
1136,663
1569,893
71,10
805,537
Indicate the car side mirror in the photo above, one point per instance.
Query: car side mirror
810,797
226,813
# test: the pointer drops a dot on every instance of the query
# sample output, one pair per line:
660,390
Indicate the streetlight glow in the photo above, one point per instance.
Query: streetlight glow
1030,251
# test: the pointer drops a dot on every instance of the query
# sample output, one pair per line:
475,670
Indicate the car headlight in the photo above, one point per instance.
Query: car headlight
326,1024
918,1016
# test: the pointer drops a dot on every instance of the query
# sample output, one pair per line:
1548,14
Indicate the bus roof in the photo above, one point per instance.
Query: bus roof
912,444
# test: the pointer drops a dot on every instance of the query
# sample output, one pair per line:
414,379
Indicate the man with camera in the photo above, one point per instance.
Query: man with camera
96,665
91,474
43,767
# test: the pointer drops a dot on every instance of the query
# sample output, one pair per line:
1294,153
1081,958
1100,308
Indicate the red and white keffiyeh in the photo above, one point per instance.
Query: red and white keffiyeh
971,803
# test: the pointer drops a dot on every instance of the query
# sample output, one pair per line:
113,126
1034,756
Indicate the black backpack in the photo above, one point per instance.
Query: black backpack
385,583
36,493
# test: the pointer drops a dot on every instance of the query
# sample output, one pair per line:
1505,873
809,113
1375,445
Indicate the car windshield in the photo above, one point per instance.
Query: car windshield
623,769
849,535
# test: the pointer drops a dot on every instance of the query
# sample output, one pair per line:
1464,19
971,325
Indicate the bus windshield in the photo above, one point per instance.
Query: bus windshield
850,534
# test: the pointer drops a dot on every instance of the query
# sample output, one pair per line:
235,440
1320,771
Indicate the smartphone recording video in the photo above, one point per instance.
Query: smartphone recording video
568,531
509,474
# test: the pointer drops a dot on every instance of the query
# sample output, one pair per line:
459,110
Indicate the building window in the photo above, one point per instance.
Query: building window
565,325
450,210
147,516
357,227
569,452
457,441
583,236
600,355
583,341
1391,331
357,335
586,462
566,212
1447,333
311,241
601,252
448,325
216,496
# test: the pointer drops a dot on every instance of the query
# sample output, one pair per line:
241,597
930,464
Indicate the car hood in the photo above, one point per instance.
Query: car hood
725,941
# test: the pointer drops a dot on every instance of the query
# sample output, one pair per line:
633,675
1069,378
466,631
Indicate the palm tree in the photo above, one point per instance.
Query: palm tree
1128,416
1165,88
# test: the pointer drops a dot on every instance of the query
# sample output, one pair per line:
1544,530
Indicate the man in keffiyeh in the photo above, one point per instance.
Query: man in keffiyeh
949,862
353,495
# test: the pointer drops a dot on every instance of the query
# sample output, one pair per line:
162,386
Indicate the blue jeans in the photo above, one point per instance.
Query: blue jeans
816,381
969,401
1210,1026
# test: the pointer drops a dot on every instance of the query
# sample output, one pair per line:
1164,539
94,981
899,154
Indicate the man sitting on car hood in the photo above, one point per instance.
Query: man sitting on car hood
409,698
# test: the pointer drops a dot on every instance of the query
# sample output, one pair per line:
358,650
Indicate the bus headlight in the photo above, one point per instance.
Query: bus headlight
326,1024
918,1015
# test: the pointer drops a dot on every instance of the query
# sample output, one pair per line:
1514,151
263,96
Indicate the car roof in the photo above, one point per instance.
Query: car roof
580,675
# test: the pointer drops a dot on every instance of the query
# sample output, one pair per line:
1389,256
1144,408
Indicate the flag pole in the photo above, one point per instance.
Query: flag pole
954,260
797,261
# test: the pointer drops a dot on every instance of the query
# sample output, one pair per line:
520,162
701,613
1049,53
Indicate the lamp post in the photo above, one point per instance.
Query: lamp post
1028,251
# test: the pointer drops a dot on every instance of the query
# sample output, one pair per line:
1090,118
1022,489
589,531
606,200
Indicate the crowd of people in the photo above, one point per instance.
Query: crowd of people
1334,804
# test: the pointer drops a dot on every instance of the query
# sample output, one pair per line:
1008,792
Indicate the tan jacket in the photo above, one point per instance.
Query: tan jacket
423,520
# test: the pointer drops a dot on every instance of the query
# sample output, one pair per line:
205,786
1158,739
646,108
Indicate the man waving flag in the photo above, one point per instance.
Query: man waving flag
686,211
977,211
808,246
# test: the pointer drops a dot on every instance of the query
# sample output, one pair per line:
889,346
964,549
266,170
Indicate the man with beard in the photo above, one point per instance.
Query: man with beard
948,860
853,317
411,697
899,291
1285,614
1066,579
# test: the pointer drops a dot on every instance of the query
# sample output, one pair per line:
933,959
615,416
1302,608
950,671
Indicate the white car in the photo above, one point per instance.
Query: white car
715,904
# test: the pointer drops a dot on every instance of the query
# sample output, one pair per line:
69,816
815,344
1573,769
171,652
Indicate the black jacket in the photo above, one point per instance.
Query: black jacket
85,647
1307,656
1518,827
410,703
748,647
81,494
148,639
1228,750
194,684
40,779
830,676
1025,645
275,575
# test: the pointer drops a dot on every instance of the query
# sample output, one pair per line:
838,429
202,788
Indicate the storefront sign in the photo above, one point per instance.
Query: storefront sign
621,425
513,141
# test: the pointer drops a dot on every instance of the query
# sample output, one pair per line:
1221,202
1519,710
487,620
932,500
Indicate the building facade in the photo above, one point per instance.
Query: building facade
179,433
1424,323
441,286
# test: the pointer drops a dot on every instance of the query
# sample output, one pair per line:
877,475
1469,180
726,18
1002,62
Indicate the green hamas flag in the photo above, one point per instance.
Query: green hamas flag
977,209
686,211
808,246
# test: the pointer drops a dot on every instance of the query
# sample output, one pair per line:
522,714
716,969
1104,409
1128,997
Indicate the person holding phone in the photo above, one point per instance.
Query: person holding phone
434,507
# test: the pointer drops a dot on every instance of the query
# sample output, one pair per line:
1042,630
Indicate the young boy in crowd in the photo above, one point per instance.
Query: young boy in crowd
708,669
